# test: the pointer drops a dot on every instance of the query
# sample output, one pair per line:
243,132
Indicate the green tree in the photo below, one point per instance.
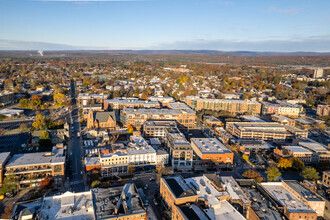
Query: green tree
273,173
309,173
10,183
40,122
297,164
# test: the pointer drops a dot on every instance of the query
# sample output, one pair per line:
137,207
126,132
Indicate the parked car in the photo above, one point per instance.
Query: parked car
155,202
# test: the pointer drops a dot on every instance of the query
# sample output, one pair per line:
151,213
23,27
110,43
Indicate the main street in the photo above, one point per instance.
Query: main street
75,148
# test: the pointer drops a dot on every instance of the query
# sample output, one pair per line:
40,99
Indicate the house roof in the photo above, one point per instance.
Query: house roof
104,116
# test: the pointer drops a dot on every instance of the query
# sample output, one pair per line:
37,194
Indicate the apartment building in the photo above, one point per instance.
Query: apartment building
323,110
211,150
122,102
86,99
232,106
156,128
258,130
136,117
180,149
284,120
31,170
282,108
301,153
161,99
326,178
102,120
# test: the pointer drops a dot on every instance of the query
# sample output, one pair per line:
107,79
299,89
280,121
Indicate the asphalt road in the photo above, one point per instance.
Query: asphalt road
75,148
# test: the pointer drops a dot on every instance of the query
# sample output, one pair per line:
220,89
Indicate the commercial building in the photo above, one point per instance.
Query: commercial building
258,130
121,103
4,157
301,153
136,117
91,107
184,198
119,203
247,145
180,149
115,163
11,112
323,110
294,200
282,108
6,98
85,99
232,106
140,153
161,99
211,150
156,128
212,121
31,168
284,120
102,120
326,178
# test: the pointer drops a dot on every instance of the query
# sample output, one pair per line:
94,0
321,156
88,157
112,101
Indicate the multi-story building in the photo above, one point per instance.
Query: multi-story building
182,196
282,108
212,121
180,149
284,120
136,117
121,103
4,157
323,110
211,150
113,163
161,99
31,168
326,178
102,120
140,153
156,128
232,106
303,154
294,200
318,73
85,99
258,130
6,98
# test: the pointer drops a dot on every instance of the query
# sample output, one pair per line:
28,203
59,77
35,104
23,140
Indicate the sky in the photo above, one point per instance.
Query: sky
227,25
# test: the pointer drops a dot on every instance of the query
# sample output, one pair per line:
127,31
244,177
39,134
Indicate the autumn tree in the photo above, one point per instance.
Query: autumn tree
144,96
284,163
46,183
131,169
297,164
310,173
273,173
35,101
59,98
245,157
251,174
130,129
40,122
95,183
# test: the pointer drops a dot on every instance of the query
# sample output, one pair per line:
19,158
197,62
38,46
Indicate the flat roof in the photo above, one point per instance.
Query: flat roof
92,161
68,206
132,101
225,211
178,105
192,212
298,149
35,158
255,144
234,190
313,146
118,201
3,157
252,118
267,126
179,187
210,146
286,198
303,191
222,100
160,123
157,111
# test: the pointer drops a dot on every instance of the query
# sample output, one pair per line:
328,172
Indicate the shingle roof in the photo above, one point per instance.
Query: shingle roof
104,116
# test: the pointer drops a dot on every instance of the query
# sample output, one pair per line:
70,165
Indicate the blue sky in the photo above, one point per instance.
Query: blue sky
257,25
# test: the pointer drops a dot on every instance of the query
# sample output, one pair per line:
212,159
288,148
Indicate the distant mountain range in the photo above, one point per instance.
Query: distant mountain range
206,52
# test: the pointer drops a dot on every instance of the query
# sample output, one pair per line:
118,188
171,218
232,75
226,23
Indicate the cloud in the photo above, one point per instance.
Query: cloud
313,44
285,11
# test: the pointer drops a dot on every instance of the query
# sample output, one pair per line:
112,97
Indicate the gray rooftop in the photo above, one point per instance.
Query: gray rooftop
156,111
